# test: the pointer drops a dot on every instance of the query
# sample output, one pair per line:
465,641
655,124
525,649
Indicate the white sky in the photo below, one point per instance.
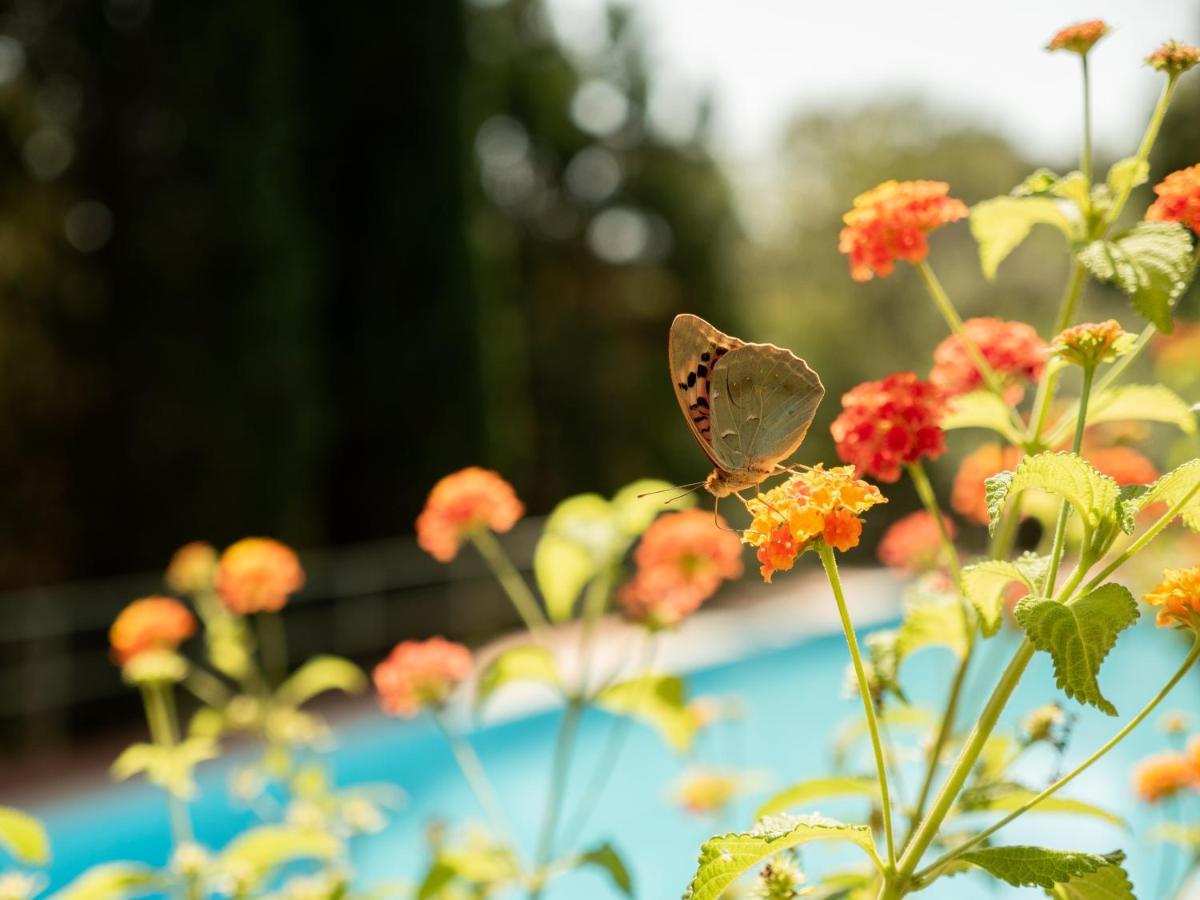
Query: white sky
764,60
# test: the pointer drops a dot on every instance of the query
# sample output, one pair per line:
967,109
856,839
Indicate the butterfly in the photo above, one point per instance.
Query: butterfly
749,406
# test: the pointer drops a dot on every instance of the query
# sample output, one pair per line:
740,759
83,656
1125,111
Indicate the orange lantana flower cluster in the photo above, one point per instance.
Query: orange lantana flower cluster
1014,350
891,221
1091,343
1174,58
258,575
152,623
914,543
890,423
1178,199
464,502
1165,774
192,568
1178,598
681,561
1080,37
817,504
417,674
968,494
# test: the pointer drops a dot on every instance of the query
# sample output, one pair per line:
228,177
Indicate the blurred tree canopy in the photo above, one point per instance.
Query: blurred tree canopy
268,269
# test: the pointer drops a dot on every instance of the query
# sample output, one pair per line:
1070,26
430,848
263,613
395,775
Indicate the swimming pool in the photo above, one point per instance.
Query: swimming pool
793,701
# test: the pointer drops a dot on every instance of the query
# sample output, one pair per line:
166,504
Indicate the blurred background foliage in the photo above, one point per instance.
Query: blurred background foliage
264,269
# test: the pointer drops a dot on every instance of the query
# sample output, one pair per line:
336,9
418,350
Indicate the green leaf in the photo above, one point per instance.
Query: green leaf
168,767
24,837
1187,836
1038,866
656,700
1126,174
563,569
1078,636
981,409
985,582
1000,224
253,855
1006,797
530,662
1109,882
634,513
932,623
724,859
1067,475
1141,403
818,789
1152,263
113,881
318,675
1074,187
607,858
1172,488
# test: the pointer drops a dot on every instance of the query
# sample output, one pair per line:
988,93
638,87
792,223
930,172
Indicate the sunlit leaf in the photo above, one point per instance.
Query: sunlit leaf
818,789
1006,797
1173,488
1067,475
253,855
724,859
634,513
113,881
932,623
1126,174
656,700
1078,636
1152,263
562,569
985,582
1140,403
981,409
999,225
318,675
24,837
1038,866
530,662
606,858
1187,836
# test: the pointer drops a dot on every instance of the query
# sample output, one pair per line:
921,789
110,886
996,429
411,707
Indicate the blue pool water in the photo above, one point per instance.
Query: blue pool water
793,702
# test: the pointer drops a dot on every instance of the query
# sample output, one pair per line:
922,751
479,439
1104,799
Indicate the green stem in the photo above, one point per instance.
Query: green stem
1143,152
272,644
946,307
1087,124
929,500
155,697
864,690
1188,662
1064,510
510,579
1069,305
563,749
475,776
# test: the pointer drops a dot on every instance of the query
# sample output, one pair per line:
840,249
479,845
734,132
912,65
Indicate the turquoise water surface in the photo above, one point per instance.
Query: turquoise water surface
793,701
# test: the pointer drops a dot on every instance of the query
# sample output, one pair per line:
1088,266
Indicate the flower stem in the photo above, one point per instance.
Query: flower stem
1064,509
272,644
476,778
864,690
920,479
163,731
510,579
561,766
1187,664
1143,152
1086,163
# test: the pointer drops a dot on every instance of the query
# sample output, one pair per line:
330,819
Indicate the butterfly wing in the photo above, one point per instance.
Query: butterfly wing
763,401
694,349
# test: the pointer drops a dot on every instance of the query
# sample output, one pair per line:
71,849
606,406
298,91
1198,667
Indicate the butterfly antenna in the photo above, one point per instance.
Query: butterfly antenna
690,490
677,487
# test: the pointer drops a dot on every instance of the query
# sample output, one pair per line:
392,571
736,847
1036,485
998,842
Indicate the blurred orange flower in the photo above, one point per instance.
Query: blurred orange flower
258,575
1181,348
888,424
192,568
1178,199
706,792
1178,596
891,221
1162,775
1122,464
968,495
1014,351
817,503
461,503
681,561
914,543
1091,343
1174,58
151,623
1080,37
417,674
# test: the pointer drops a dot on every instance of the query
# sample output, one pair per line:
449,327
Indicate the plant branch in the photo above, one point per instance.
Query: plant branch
522,598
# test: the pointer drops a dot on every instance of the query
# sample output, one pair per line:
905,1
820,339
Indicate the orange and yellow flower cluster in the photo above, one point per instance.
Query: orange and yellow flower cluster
1091,343
1174,58
462,503
1178,598
1013,350
891,221
420,674
815,505
681,561
1178,199
1165,774
890,423
913,544
1080,37
152,623
258,575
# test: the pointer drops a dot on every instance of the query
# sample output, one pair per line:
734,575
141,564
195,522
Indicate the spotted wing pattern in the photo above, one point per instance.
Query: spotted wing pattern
763,401
695,348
